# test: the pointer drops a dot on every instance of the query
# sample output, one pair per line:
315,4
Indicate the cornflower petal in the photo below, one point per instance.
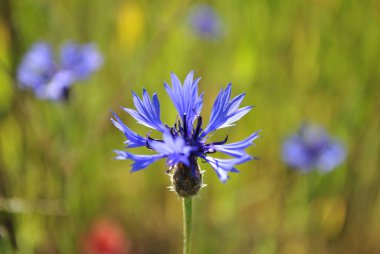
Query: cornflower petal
37,67
225,112
139,161
175,149
331,157
294,154
236,149
176,93
199,104
148,111
133,140
57,88
81,60
223,166
185,98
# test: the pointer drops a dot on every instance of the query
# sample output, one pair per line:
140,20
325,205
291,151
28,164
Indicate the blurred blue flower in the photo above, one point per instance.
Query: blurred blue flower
81,60
37,67
205,21
312,148
50,80
186,141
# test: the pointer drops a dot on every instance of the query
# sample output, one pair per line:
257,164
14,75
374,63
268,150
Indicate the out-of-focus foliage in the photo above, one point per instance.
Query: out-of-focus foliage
315,60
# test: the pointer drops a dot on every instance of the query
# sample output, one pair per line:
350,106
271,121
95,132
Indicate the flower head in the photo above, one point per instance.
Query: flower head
40,72
187,140
205,21
312,148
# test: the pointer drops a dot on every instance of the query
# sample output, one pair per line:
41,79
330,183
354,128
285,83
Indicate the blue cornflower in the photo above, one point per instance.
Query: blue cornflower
312,148
186,141
51,80
205,21
81,60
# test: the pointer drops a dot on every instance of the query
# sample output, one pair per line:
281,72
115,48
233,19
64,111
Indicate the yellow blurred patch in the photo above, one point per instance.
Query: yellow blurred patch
296,246
328,4
130,25
6,93
10,143
329,215
4,38
245,63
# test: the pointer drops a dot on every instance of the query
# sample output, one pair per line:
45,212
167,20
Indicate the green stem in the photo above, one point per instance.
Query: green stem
187,224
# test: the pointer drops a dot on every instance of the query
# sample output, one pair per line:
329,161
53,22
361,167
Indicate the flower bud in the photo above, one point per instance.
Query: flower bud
186,181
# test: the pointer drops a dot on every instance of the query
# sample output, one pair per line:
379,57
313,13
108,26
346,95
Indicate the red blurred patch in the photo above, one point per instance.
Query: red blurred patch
105,237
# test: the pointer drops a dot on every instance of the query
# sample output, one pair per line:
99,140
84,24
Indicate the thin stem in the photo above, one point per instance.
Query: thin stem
187,224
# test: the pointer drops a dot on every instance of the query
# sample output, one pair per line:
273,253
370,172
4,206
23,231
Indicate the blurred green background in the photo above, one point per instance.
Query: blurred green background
316,60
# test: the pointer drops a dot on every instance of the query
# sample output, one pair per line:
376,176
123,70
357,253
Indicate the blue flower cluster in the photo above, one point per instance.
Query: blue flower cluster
312,148
52,80
205,21
186,141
